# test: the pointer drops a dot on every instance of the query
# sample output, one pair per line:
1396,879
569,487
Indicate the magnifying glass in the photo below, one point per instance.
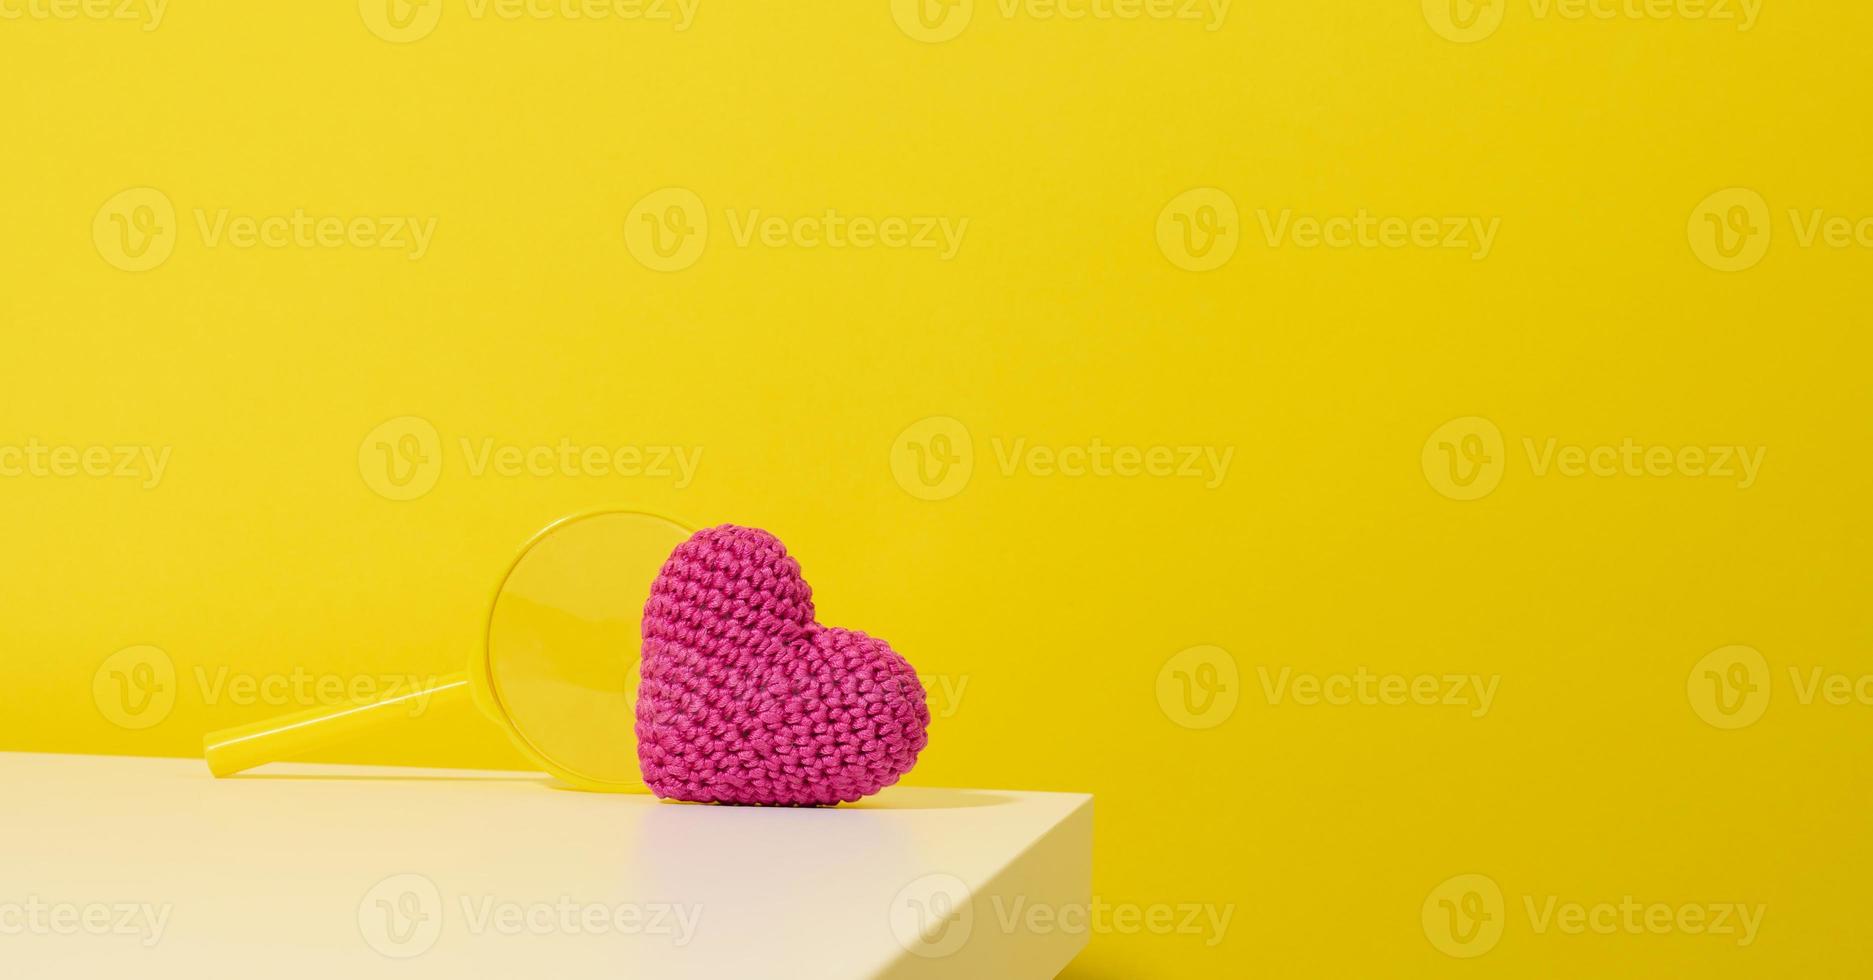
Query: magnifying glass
558,671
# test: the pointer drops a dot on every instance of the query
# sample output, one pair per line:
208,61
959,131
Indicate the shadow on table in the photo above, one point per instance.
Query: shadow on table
928,798
899,798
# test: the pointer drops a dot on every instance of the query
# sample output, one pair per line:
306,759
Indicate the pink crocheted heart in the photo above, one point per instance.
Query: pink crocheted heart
746,699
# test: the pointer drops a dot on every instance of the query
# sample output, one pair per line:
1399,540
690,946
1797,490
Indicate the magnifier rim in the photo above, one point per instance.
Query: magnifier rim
485,671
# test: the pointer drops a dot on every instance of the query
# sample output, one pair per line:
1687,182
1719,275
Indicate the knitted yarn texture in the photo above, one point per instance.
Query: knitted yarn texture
745,698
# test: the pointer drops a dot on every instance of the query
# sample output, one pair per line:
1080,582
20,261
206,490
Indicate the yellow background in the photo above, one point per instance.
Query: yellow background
1056,600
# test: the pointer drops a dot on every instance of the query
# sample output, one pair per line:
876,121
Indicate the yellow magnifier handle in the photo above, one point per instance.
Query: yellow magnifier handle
238,749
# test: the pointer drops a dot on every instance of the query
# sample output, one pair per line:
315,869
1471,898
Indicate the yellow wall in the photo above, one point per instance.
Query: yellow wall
1051,611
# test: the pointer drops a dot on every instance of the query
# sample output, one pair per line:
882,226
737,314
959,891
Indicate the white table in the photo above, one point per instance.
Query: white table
151,868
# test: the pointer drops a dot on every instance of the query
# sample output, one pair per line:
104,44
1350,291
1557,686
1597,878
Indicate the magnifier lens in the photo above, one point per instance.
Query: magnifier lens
563,642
